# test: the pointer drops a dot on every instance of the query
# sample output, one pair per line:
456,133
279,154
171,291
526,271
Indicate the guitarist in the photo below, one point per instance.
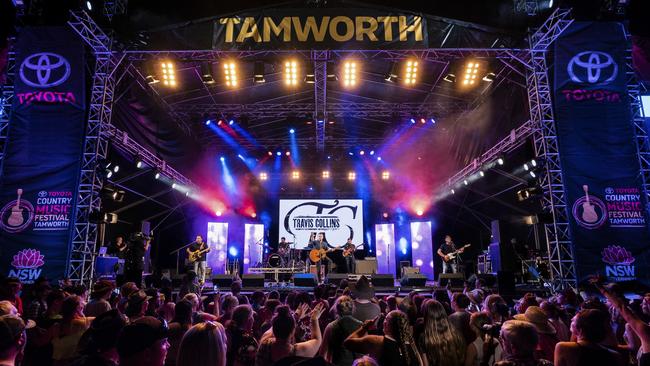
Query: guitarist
201,263
321,243
446,248
348,254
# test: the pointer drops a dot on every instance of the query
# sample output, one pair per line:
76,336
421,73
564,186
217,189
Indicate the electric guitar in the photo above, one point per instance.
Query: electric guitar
196,255
350,251
589,214
16,218
451,256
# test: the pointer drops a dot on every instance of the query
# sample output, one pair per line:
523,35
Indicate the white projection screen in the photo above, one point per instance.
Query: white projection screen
385,248
217,242
339,219
253,241
422,247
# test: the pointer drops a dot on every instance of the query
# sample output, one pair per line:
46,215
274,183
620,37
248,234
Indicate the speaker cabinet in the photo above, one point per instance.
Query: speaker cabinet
414,280
222,280
336,278
454,279
252,280
305,280
382,280
367,266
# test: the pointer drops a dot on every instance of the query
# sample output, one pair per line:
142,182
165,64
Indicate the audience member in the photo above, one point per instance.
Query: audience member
484,349
12,338
364,308
99,347
143,343
203,345
441,343
242,344
519,340
99,297
547,335
337,331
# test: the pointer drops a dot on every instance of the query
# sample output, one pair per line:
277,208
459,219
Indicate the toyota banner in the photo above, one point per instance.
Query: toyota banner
38,181
605,200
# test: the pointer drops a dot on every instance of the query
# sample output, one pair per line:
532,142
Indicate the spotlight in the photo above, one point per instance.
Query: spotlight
471,73
411,72
453,191
385,175
233,251
264,176
168,73
489,77
223,159
139,163
362,152
412,120
385,215
230,71
231,122
450,78
481,173
295,175
206,73
433,121
89,6
220,122
372,152
208,123
465,182
423,121
533,162
352,176
254,215
291,73
379,158
419,212
526,168
258,72
326,174
279,153
269,153
500,161
331,122
351,153
532,174
292,131
116,168
158,175
174,185
218,213
349,73
391,75
288,153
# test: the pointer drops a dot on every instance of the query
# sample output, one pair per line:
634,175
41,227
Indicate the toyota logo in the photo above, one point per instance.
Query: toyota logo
593,67
44,70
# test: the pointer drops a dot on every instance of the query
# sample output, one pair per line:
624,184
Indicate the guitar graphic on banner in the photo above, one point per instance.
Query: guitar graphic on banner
16,218
589,214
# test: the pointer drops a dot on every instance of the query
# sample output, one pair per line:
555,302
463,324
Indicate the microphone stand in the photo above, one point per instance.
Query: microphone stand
177,252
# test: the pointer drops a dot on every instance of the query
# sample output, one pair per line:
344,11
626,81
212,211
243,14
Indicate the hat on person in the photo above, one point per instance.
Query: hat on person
105,329
538,318
140,335
101,287
362,289
137,298
475,296
128,288
11,327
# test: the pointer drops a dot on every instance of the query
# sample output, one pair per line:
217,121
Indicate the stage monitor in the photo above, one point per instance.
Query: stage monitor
338,219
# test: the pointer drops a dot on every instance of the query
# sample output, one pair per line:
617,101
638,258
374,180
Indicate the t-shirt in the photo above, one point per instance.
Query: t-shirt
196,246
447,248
365,311
97,307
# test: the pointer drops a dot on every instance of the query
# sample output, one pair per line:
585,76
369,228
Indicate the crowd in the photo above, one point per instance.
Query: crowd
344,325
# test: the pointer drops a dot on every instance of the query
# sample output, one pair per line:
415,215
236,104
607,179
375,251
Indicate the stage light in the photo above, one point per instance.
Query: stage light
385,175
419,212
411,72
258,72
465,182
453,191
362,152
288,153
326,174
270,153
413,121
526,168
352,176
532,174
208,123
450,78
481,173
489,77
233,251
157,176
264,176
423,121
292,131
433,121
379,158
295,175
231,122
230,71
500,161
116,168
385,215
206,73
349,74
240,156
291,73
174,185
220,122
351,153
254,215
279,153
222,159
89,5
331,122
533,162
471,73
168,73
391,75
218,213
139,164
372,152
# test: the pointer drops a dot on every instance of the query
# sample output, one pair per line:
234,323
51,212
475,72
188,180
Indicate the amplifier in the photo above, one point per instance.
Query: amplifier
367,266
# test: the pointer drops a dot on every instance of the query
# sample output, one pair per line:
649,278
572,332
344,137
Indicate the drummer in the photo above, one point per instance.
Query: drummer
283,246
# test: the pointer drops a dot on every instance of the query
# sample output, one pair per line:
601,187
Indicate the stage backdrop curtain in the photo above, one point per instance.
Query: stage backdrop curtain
38,184
605,201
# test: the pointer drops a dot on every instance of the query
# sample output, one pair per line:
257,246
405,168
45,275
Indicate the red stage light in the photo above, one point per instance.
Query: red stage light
419,212
385,215
253,215
218,213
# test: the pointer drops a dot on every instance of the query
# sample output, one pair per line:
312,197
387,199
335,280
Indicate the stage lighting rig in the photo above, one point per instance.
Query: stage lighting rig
489,77
295,175
230,74
150,75
529,193
168,69
470,75
411,72
264,176
450,78
206,73
385,175
310,75
350,74
258,72
352,176
326,174
291,73
391,75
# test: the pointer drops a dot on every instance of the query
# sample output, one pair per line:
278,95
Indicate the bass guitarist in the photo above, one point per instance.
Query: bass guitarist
197,253
348,255
448,247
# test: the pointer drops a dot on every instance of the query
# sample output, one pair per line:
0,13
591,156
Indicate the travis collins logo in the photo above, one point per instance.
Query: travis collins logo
45,70
589,211
16,215
618,263
27,265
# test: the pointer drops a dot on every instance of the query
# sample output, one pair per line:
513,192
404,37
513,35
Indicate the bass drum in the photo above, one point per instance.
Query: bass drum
275,260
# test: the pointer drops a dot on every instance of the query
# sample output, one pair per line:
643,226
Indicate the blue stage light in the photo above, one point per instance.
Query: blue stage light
292,131
241,157
329,157
413,120
433,121
231,122
208,122
222,159
233,251
279,153
362,152
379,158
372,152
351,153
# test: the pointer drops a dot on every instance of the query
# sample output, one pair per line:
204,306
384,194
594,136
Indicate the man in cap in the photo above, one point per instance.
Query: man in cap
143,343
363,292
12,338
99,304
137,305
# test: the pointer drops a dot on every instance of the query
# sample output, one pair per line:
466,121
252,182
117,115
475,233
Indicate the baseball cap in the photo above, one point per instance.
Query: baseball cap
140,335
11,327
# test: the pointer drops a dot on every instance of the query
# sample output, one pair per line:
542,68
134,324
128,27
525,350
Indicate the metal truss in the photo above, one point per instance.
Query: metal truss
122,141
114,7
528,7
347,109
84,234
560,249
634,90
7,97
320,59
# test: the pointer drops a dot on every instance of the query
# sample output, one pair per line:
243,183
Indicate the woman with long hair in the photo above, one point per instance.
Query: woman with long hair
441,343
395,347
242,345
204,344
180,324
66,334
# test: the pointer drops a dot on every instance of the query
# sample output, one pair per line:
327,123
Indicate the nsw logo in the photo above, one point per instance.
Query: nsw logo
44,70
592,67
618,263
27,263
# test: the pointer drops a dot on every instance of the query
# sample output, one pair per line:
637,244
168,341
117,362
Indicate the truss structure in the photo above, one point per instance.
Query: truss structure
320,59
6,100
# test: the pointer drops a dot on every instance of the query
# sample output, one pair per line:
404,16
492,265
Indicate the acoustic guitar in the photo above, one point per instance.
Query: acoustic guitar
16,218
317,254
196,255
451,256
589,214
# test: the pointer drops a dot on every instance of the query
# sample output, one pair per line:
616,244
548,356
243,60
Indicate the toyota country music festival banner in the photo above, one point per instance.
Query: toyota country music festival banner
606,206
38,181
339,219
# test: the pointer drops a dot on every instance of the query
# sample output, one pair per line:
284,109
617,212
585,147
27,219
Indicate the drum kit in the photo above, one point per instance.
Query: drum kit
284,257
